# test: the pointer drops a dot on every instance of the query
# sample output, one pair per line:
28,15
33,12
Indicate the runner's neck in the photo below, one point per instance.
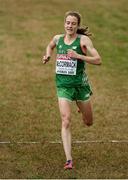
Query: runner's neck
68,39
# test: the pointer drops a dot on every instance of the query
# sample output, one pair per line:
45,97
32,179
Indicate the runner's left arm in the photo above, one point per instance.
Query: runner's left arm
92,58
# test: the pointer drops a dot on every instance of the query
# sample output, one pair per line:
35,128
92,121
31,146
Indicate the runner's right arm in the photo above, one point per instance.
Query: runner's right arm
49,49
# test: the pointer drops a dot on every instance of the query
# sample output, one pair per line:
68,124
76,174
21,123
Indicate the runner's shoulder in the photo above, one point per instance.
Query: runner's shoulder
57,37
85,40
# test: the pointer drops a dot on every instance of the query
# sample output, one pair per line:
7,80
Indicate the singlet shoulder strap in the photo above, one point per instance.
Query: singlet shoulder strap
79,36
59,37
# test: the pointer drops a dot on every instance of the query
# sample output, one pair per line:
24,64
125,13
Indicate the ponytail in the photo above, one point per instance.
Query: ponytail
84,31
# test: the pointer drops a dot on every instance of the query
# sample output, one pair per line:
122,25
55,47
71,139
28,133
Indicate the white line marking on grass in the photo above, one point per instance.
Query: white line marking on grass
19,142
60,142
93,141
5,142
28,142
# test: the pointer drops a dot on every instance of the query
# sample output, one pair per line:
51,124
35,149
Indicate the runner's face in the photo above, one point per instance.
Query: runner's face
71,25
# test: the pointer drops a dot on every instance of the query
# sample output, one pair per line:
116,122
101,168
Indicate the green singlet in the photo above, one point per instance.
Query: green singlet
70,72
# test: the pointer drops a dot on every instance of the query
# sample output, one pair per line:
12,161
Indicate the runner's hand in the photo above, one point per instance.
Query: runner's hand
46,59
72,54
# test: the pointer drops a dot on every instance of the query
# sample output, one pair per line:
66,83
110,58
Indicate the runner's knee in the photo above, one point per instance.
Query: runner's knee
88,121
65,121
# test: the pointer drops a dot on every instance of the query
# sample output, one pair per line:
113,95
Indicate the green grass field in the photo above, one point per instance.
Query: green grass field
28,103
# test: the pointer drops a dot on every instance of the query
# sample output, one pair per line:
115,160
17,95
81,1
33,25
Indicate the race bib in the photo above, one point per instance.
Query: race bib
67,67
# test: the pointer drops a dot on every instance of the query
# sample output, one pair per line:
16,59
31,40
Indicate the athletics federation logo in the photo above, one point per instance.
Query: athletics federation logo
74,47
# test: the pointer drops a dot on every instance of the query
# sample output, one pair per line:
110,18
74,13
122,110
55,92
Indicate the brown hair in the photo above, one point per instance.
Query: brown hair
80,30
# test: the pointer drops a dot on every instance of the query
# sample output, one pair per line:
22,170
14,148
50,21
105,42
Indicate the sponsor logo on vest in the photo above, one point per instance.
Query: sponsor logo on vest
60,46
63,57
